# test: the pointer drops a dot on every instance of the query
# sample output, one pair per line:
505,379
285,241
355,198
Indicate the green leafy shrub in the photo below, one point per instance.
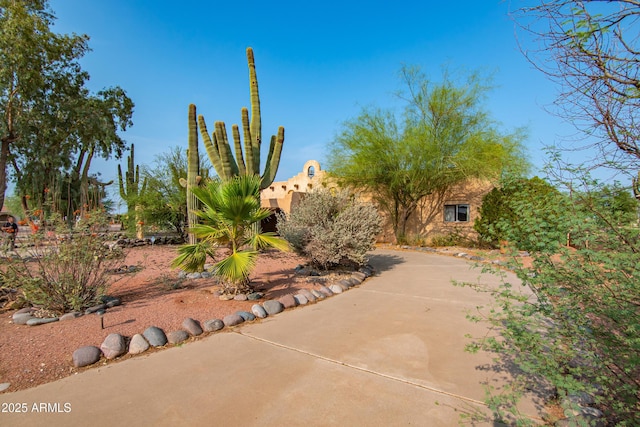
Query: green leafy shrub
500,217
581,330
331,229
64,275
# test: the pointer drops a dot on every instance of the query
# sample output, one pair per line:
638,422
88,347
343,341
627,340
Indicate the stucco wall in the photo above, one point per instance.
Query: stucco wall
428,220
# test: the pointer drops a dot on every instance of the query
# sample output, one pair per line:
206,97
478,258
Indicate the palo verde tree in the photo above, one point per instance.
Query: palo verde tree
51,126
444,137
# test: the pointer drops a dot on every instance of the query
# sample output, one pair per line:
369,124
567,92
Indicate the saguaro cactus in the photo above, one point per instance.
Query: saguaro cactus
130,190
193,172
219,150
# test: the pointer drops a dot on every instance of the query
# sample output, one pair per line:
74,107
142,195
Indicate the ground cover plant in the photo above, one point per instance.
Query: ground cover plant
64,271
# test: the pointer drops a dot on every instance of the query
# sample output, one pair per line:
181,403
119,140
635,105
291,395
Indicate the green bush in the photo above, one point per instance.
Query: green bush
331,229
581,330
64,275
500,217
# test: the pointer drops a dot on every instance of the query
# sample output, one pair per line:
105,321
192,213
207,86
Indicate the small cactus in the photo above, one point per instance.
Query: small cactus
130,190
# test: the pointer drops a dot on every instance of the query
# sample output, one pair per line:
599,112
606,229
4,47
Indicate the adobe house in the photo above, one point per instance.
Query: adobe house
440,215
283,195
456,210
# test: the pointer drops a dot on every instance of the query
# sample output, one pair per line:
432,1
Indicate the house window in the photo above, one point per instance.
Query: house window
456,213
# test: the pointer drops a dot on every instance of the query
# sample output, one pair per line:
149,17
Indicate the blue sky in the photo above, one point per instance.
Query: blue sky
318,64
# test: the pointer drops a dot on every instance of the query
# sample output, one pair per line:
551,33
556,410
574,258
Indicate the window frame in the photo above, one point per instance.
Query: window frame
457,213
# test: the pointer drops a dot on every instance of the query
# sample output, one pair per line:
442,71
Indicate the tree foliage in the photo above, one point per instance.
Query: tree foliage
579,333
443,138
164,201
590,48
51,126
499,218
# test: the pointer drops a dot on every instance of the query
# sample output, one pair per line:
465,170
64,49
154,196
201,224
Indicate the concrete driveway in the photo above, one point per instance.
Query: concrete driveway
387,353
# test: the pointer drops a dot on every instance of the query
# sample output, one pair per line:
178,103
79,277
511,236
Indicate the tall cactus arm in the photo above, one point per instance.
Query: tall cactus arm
273,159
229,165
237,145
193,172
256,119
253,156
212,149
123,194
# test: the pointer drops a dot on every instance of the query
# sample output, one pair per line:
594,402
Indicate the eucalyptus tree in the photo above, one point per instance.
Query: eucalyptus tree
51,126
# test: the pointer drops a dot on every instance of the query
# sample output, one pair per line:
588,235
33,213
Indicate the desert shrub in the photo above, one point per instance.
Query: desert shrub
501,217
453,238
580,331
331,229
63,275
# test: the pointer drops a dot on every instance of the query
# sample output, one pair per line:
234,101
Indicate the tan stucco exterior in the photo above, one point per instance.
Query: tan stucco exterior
428,220
284,195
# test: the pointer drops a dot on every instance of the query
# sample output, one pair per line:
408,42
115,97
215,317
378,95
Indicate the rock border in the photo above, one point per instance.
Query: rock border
115,345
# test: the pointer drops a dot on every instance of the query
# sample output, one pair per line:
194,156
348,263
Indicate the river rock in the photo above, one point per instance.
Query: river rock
155,336
300,299
336,289
248,317
4,386
259,311
273,307
359,275
310,296
113,346
37,321
255,296
192,326
354,280
95,308
69,316
85,356
288,301
213,325
176,337
22,318
345,283
138,344
232,319
25,310
194,276
325,291
112,302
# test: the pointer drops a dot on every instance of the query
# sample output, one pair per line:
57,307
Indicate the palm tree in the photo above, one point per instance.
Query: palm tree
230,216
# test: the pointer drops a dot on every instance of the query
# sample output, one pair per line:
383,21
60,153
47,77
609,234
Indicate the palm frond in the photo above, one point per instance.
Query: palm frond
192,258
268,240
236,267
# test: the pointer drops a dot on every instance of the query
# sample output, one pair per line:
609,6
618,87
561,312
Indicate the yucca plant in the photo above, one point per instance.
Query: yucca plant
230,217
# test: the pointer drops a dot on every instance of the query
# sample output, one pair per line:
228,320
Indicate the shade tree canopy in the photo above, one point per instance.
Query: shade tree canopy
443,137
